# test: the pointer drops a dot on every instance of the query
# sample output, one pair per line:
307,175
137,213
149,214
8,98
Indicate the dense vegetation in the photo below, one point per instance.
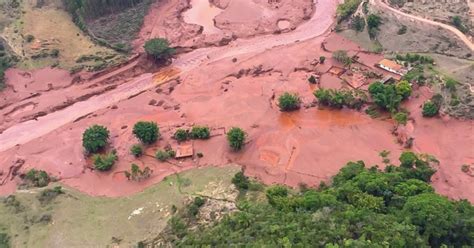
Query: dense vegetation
196,132
104,162
363,207
389,96
289,102
340,98
37,178
5,63
95,138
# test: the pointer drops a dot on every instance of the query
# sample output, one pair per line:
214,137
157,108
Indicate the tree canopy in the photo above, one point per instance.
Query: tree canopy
363,207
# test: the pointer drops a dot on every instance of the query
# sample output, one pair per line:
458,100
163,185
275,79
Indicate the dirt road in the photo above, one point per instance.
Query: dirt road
318,25
453,30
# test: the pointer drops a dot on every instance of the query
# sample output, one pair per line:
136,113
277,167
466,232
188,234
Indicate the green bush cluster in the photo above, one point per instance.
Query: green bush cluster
340,98
163,155
236,138
193,208
289,102
37,178
415,58
146,131
104,162
95,138
196,132
5,62
373,23
401,118
137,174
363,207
241,181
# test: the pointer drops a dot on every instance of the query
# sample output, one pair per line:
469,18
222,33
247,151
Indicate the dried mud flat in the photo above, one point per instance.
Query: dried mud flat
238,87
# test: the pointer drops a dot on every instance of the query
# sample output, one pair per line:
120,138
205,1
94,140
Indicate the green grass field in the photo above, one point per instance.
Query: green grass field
77,220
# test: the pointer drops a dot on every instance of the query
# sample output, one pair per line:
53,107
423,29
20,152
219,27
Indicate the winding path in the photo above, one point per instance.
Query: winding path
452,29
24,132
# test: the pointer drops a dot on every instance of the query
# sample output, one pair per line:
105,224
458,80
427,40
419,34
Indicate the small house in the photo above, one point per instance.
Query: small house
392,66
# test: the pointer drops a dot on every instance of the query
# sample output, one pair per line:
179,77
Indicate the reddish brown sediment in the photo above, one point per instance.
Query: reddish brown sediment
214,89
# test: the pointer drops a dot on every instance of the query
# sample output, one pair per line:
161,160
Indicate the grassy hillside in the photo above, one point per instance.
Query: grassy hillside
73,219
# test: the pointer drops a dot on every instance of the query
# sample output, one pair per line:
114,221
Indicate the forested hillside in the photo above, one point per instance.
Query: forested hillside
364,207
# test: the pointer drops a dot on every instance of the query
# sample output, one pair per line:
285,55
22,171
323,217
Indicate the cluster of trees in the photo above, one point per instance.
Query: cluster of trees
363,207
196,132
90,9
37,178
137,174
358,23
340,98
389,96
373,23
415,58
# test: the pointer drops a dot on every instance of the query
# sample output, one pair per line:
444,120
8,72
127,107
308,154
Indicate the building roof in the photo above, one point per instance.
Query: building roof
390,64
184,151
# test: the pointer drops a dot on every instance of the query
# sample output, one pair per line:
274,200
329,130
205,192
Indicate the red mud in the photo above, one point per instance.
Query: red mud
308,146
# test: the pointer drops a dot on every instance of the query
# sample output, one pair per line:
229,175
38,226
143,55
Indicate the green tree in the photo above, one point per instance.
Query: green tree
146,131
95,138
136,150
236,138
322,59
403,89
241,181
408,159
430,109
289,102
159,49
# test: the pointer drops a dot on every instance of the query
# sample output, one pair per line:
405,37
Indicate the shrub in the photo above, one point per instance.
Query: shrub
37,178
289,102
104,162
200,132
193,208
322,59
95,138
358,23
200,154
136,174
312,79
159,49
241,181
401,118
136,150
450,84
146,132
402,30
48,195
29,38
342,57
430,109
346,9
181,135
236,138
163,155
339,98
